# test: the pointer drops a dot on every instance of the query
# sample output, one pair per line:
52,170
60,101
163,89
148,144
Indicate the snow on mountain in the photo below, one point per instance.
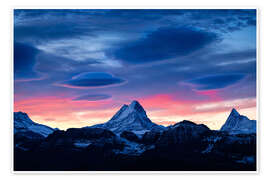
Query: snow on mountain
22,123
238,124
130,118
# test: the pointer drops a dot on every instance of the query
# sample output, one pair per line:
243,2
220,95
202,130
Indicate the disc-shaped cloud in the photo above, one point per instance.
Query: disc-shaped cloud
92,97
217,81
92,79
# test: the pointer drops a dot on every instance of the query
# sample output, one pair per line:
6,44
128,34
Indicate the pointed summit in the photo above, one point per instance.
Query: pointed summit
130,117
135,104
234,113
126,110
237,124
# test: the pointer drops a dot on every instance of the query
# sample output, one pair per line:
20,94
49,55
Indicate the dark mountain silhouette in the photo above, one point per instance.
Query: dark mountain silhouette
130,141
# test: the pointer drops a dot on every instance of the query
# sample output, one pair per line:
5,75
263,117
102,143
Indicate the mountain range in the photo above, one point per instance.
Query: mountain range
133,118
131,141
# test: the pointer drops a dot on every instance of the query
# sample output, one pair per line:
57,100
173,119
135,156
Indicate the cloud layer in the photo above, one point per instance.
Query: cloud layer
164,43
216,81
24,61
92,97
92,79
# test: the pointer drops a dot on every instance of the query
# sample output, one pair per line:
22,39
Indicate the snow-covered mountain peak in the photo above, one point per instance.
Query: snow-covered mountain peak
126,110
21,116
237,123
130,117
22,123
135,105
234,113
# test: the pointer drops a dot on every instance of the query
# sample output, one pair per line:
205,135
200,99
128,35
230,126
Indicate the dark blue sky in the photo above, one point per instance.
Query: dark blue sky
114,56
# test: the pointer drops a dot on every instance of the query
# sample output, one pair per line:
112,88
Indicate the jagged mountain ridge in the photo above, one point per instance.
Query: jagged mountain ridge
133,118
236,124
196,144
130,118
22,123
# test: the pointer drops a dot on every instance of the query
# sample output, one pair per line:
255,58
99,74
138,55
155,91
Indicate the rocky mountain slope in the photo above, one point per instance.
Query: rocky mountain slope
238,124
131,117
22,123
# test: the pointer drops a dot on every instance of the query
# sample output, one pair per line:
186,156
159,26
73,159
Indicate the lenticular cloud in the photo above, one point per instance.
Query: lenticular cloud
92,79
